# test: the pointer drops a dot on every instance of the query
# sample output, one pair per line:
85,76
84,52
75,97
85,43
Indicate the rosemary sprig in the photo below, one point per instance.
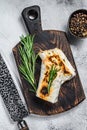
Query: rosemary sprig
52,76
28,59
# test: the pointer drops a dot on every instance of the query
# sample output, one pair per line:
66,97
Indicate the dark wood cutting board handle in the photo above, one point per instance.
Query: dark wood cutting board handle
32,19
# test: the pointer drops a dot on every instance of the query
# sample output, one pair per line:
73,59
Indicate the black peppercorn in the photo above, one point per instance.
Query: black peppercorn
78,23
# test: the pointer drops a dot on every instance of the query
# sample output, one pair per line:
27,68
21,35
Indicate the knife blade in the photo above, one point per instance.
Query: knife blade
11,96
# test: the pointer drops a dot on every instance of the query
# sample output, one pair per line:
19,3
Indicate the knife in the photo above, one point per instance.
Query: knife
11,96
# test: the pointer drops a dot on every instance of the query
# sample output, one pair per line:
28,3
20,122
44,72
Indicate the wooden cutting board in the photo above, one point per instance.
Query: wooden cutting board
71,92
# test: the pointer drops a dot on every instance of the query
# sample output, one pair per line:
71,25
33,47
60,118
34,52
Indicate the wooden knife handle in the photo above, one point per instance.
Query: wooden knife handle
32,19
22,125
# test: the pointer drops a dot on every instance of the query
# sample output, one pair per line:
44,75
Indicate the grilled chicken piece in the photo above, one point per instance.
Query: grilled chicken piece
65,71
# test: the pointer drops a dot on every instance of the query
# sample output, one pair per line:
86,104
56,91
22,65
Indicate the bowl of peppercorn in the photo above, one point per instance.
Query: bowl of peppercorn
78,23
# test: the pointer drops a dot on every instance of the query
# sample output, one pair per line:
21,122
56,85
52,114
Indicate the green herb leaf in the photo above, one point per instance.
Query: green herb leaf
52,76
28,60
